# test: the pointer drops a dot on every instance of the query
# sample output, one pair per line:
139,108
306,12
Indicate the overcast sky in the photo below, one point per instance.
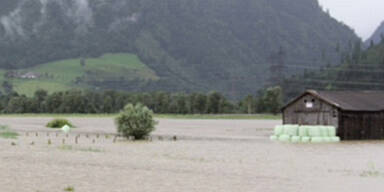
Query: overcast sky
364,16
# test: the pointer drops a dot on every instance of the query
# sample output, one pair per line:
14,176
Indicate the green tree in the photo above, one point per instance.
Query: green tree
271,101
39,100
182,105
247,105
18,104
53,102
135,120
162,102
7,86
226,107
200,103
213,104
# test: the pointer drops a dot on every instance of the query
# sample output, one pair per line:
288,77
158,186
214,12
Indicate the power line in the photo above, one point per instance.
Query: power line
324,88
334,69
344,82
337,65
335,89
334,65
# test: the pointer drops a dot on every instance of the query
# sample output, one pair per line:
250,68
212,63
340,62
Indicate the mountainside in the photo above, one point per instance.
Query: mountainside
191,45
360,70
377,36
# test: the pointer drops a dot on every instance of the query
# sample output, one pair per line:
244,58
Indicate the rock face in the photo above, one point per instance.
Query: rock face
193,45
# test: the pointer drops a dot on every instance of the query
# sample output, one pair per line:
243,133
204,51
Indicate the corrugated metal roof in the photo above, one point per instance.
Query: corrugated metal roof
353,100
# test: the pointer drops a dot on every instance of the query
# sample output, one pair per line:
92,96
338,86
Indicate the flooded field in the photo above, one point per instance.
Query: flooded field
208,155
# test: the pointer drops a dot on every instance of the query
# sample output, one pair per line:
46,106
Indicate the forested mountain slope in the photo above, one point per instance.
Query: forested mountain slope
191,45
360,70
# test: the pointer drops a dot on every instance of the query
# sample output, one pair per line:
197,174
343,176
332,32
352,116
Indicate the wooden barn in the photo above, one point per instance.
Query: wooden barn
356,114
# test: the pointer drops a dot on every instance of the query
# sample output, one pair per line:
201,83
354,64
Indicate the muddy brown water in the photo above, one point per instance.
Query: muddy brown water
210,155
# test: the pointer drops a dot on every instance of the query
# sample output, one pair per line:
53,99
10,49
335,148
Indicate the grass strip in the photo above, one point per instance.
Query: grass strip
6,133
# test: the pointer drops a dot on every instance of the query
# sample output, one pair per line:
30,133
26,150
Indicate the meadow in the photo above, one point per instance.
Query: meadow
68,74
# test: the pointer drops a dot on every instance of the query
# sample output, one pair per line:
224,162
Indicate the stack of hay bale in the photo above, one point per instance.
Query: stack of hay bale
305,134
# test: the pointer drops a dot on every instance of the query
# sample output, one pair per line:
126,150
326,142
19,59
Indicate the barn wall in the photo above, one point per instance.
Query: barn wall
361,125
320,114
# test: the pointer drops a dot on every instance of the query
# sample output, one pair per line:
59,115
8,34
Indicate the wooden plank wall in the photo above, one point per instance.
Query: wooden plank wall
320,114
361,125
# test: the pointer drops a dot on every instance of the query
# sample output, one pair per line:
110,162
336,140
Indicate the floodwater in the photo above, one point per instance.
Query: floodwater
208,155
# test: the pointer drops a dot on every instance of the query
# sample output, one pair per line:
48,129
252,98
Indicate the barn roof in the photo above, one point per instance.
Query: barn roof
349,100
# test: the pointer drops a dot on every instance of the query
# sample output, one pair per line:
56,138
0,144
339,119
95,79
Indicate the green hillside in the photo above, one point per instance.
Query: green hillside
79,73
227,46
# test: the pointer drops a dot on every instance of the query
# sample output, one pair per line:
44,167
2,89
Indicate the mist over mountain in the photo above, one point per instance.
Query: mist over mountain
377,36
192,45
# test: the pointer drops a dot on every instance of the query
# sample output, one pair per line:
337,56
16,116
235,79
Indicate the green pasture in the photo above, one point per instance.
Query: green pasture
65,74
7,133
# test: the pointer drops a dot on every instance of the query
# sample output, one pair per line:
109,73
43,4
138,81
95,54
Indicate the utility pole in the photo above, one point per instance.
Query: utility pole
277,67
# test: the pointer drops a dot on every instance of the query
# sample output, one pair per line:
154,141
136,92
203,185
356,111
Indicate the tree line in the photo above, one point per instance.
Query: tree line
79,101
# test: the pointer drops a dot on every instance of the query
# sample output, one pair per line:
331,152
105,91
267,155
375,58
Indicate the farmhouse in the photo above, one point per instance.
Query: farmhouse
355,114
29,75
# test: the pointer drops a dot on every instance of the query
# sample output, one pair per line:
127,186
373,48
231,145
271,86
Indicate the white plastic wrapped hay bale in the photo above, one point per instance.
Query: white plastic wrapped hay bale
284,138
292,130
317,140
274,138
279,130
303,131
323,131
305,139
335,139
295,139
314,131
327,139
287,129
331,131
